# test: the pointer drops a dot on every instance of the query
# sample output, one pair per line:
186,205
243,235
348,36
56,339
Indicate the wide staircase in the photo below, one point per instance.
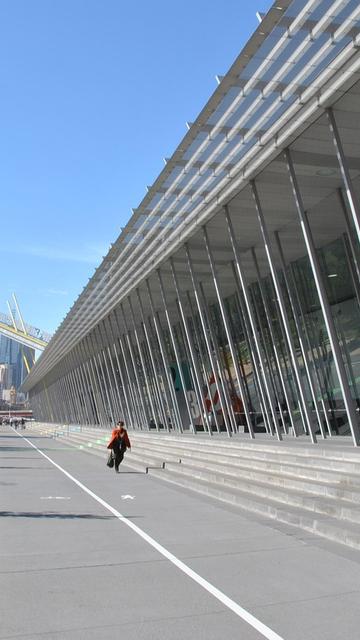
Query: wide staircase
313,487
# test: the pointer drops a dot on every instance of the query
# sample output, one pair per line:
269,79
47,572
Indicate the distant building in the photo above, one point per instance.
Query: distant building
12,365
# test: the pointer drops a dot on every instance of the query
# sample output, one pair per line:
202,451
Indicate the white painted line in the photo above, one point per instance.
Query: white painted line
55,498
127,497
265,631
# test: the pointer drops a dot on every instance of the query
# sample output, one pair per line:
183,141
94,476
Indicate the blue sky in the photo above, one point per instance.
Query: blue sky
94,94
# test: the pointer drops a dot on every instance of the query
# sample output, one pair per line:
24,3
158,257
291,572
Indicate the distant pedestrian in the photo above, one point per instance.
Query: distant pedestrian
119,442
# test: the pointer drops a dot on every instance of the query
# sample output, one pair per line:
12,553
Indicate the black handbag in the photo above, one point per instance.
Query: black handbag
110,460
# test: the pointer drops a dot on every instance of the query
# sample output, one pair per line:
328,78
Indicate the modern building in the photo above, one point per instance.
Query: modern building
231,300
12,363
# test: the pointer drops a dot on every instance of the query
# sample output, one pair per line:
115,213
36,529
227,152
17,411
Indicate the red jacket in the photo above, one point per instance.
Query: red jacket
123,434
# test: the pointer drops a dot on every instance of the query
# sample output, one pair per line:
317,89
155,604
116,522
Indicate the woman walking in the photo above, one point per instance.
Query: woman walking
119,443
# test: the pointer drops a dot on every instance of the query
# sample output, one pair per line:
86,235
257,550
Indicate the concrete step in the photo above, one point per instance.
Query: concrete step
324,526
339,509
260,464
334,459
343,487
314,496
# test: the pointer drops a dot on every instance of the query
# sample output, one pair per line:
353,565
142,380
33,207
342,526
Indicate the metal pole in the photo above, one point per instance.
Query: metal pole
310,349
111,374
230,416
177,356
207,341
197,375
325,306
165,410
92,388
113,341
106,382
96,383
202,360
300,334
132,400
159,335
352,269
142,404
249,317
345,173
101,380
155,414
268,361
286,324
229,336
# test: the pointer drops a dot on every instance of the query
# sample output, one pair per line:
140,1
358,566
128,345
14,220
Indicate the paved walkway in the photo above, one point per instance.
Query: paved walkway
86,553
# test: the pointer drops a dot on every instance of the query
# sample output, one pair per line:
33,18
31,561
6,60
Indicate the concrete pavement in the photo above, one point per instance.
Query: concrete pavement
71,569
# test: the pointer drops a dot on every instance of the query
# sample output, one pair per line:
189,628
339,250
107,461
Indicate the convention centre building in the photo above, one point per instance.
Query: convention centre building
231,300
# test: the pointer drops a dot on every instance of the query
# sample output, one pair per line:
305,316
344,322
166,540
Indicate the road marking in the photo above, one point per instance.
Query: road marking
55,498
127,497
242,613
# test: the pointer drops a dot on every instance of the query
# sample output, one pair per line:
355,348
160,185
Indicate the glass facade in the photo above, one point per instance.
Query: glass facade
238,307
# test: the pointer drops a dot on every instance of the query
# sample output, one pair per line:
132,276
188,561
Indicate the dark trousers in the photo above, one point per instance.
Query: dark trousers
118,457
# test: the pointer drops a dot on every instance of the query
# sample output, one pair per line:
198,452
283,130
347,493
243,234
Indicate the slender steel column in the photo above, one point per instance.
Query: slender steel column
256,366
300,334
166,376
96,382
115,386
134,391
63,399
74,391
109,390
92,389
71,396
202,359
155,414
136,373
165,410
131,399
176,411
80,392
349,232
130,418
83,384
64,393
229,336
100,380
268,361
286,324
351,267
165,401
177,358
88,399
310,349
249,316
117,410
325,306
198,385
174,420
207,341
230,416
273,340
345,173
71,389
105,382
80,396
